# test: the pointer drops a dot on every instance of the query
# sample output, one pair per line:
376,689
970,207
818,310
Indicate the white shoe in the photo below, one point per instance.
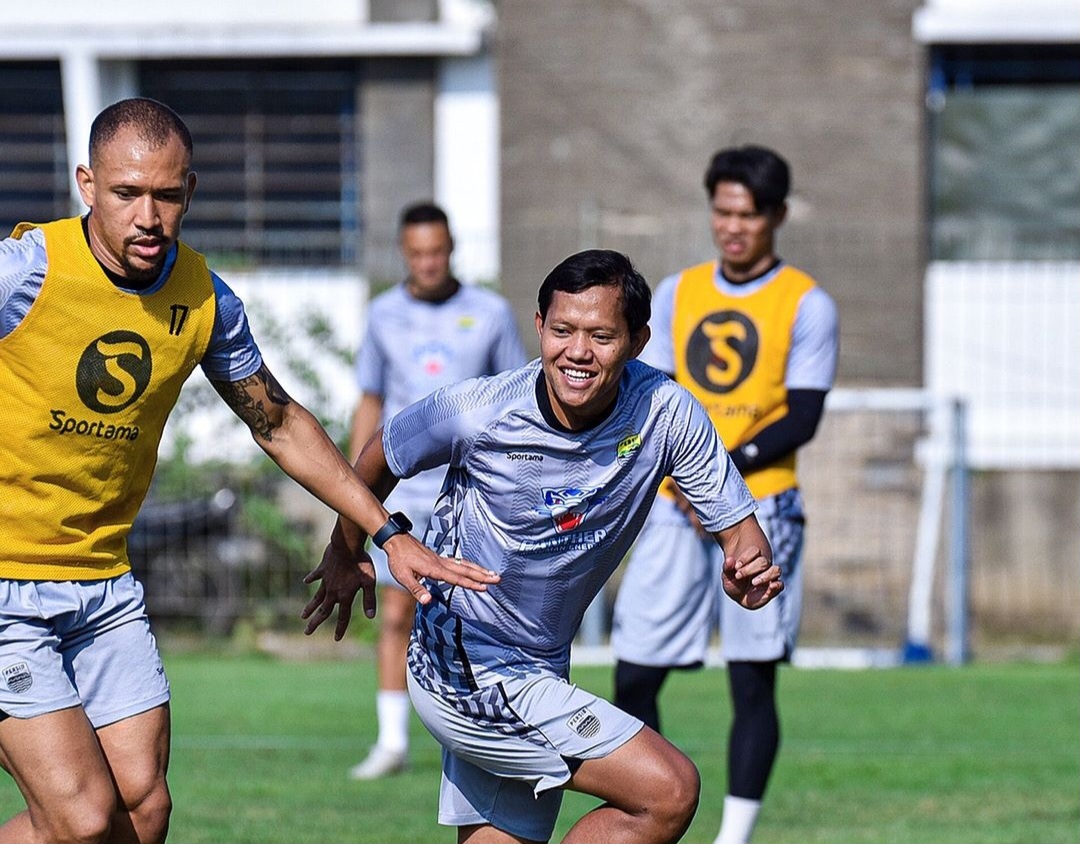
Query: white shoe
380,763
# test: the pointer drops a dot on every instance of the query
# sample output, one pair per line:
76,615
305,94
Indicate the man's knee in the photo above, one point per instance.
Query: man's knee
678,800
84,818
143,809
674,789
150,815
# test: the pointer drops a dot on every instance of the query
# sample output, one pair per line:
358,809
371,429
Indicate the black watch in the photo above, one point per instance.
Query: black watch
397,523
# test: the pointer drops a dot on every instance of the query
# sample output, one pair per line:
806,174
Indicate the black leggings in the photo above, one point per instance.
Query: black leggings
637,688
755,728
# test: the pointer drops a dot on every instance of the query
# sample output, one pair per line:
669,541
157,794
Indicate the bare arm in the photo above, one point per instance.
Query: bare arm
295,440
365,422
749,576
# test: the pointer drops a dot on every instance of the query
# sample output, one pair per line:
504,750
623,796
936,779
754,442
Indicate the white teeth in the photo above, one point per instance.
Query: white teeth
576,374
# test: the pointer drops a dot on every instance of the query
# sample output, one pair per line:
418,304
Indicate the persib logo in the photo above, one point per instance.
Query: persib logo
627,446
568,506
113,371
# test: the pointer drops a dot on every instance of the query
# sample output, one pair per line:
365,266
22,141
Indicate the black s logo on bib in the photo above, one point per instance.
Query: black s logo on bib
722,351
113,371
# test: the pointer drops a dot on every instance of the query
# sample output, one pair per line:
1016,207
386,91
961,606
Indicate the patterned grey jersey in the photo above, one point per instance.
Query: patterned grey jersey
553,512
412,347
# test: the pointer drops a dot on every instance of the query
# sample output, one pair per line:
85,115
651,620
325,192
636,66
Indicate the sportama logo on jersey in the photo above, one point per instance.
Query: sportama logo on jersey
568,506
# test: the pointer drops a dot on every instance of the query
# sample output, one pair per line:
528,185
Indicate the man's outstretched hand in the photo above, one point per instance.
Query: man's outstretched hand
341,574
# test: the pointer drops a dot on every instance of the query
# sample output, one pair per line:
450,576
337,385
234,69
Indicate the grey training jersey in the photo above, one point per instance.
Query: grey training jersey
553,512
412,347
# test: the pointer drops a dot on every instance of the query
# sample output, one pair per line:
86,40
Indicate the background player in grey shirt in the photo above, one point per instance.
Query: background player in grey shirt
424,333
552,469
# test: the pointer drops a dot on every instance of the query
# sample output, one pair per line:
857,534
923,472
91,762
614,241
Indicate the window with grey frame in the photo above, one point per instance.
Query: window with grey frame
1004,152
34,175
276,154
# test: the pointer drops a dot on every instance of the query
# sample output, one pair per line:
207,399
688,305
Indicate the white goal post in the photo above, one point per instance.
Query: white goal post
888,469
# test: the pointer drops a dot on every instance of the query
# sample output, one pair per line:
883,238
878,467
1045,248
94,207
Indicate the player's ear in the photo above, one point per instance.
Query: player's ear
539,325
84,178
638,340
191,180
779,215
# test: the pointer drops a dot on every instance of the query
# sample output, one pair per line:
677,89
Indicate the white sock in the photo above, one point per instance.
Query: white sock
740,815
393,710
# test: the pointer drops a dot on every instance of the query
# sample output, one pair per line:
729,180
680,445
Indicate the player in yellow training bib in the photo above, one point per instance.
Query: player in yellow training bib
102,319
755,341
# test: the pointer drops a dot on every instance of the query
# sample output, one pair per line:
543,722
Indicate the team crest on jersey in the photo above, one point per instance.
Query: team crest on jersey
627,446
18,677
433,358
466,322
568,506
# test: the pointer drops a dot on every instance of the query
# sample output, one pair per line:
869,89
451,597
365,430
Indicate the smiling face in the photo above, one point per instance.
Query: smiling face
585,343
137,192
742,233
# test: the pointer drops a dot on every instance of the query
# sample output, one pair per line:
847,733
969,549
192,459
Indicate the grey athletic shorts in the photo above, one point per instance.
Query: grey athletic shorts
671,601
509,747
78,643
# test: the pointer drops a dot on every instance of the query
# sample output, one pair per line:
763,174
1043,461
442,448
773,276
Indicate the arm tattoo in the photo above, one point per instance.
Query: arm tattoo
238,395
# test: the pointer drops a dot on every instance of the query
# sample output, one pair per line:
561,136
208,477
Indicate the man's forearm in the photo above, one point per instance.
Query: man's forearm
303,450
374,472
742,535
365,422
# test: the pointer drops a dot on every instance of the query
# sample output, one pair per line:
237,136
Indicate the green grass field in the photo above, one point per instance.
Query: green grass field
986,753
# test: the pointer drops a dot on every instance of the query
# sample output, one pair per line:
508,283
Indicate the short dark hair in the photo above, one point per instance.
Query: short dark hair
605,267
759,169
155,122
423,212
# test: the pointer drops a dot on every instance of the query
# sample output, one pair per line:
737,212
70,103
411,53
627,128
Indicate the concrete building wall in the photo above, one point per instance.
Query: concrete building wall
396,155
611,110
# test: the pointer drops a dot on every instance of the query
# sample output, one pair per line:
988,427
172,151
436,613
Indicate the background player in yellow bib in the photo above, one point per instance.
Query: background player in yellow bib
755,340
102,318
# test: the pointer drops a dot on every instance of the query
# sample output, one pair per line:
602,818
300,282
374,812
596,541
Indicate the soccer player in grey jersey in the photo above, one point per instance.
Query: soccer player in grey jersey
552,468
424,333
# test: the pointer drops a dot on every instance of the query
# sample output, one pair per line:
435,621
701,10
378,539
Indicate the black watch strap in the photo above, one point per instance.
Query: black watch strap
397,523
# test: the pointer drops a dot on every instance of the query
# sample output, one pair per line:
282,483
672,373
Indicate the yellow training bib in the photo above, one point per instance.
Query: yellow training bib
731,353
88,378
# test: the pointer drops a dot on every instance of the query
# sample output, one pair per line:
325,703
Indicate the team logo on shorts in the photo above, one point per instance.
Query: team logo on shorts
568,506
18,677
584,723
722,351
113,371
